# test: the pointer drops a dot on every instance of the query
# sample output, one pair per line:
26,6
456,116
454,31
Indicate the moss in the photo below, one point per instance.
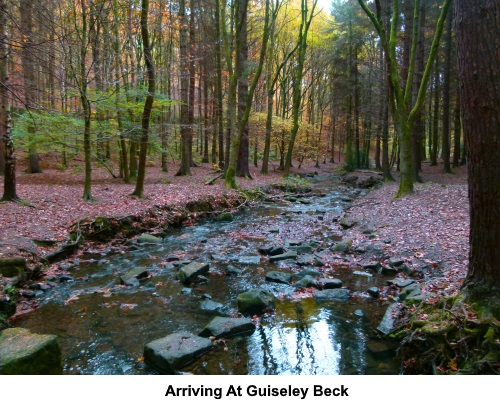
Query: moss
490,335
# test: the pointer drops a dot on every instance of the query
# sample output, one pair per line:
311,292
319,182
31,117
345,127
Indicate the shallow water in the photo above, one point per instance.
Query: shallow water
103,326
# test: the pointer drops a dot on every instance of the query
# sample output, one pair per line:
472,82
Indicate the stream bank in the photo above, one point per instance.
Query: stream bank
89,307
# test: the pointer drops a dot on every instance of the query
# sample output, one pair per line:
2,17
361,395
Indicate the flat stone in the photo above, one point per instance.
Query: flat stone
306,282
225,327
330,283
387,324
417,299
190,271
360,249
210,306
293,242
305,260
401,282
376,266
338,294
175,351
147,238
23,352
309,272
395,262
285,256
249,259
359,313
318,262
410,291
131,277
186,291
256,301
233,270
374,292
301,249
279,277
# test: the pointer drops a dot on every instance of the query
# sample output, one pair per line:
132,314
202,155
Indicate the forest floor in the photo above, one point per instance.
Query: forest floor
430,227
52,201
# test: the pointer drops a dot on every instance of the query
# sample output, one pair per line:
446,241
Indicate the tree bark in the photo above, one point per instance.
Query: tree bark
28,68
148,104
9,181
478,39
446,97
186,129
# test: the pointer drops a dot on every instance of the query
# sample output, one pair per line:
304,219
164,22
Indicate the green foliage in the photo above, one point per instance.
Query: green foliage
47,132
10,290
295,184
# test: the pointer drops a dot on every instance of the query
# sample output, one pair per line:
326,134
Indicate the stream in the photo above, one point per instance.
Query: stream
103,326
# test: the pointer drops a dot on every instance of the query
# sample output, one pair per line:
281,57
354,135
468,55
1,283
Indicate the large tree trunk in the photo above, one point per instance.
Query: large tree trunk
242,167
148,104
186,129
87,111
117,65
218,83
9,181
446,98
28,67
478,38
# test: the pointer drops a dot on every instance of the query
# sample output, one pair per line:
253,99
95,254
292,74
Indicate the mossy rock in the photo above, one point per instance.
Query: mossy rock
224,217
256,301
12,266
23,352
343,246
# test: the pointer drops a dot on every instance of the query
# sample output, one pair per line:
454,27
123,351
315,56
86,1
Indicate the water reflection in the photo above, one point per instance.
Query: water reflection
301,340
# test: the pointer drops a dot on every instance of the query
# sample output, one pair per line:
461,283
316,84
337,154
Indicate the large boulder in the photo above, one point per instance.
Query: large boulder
225,327
188,272
23,352
255,301
12,266
175,351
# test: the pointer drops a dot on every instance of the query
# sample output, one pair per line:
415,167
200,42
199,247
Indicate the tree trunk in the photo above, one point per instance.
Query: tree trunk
28,68
457,129
117,63
446,98
478,39
148,104
186,129
306,19
9,181
242,166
